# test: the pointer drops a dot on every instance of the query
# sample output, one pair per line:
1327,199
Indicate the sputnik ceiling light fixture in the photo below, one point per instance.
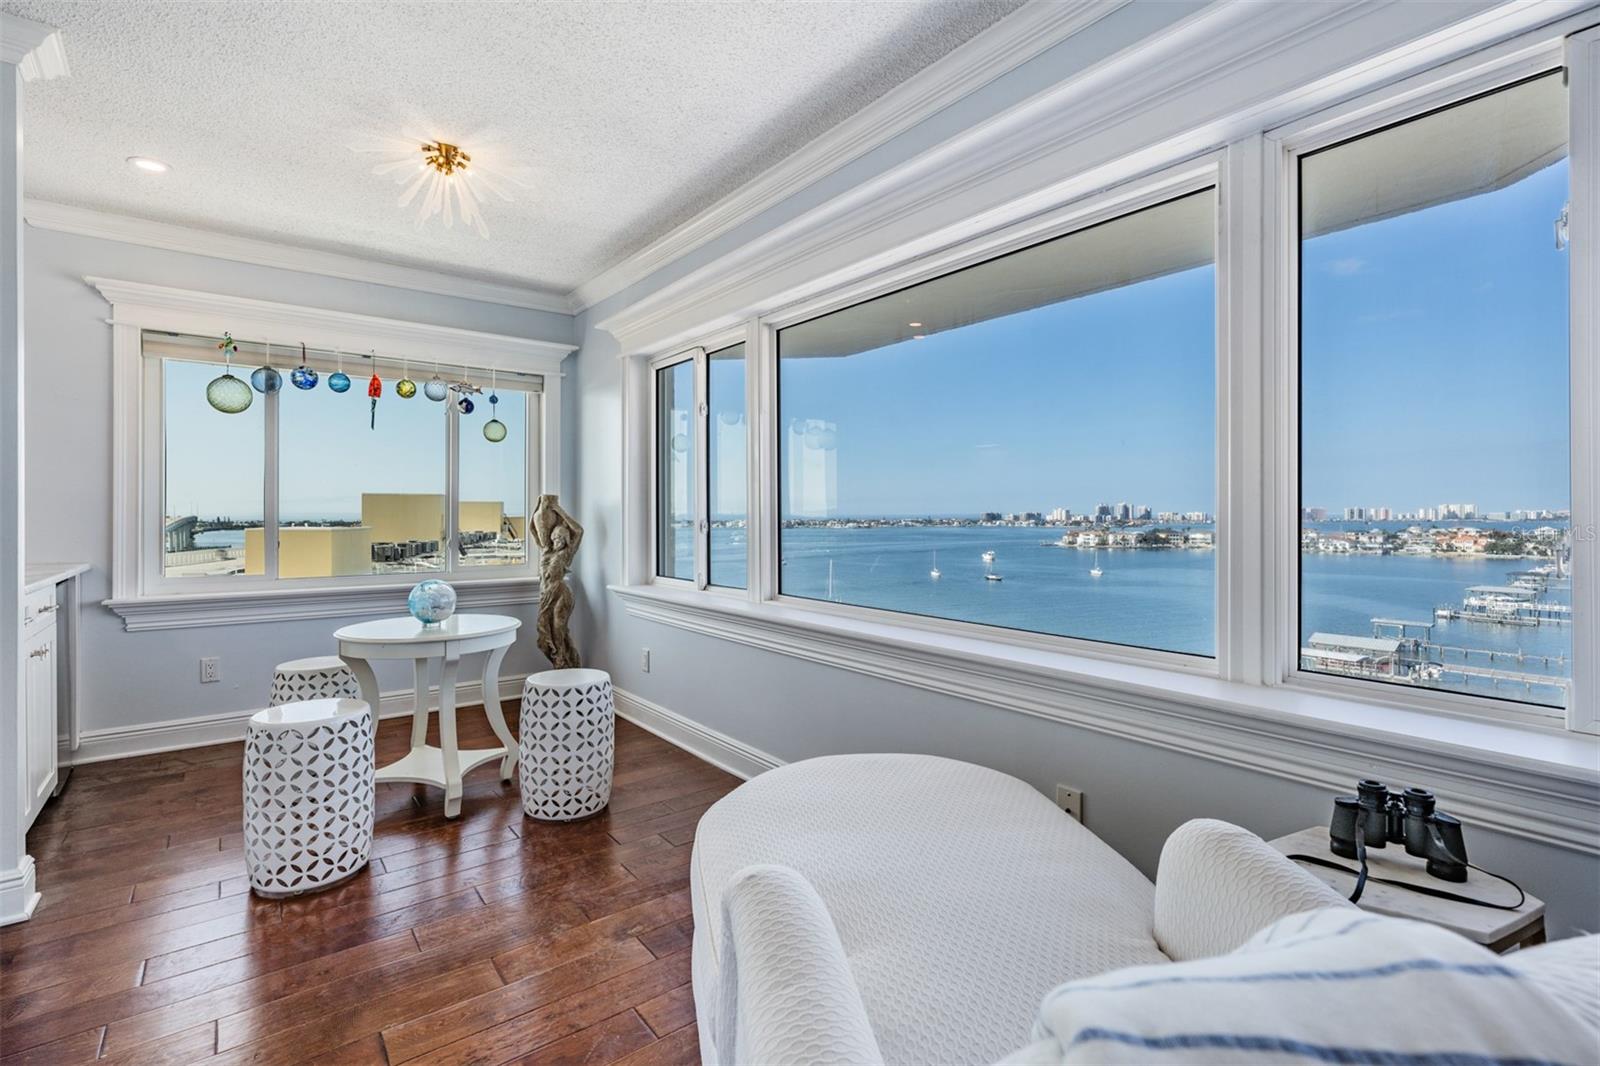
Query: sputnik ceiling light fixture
441,178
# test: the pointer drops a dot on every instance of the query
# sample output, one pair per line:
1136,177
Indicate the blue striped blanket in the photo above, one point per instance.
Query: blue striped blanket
1327,986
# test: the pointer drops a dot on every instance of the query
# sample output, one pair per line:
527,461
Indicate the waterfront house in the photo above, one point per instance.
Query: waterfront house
523,532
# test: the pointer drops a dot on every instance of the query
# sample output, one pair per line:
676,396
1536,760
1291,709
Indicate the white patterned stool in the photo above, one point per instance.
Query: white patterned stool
308,795
323,677
567,744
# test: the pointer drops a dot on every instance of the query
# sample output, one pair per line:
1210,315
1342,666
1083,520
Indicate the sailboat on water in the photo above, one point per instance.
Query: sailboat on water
988,567
1095,570
934,573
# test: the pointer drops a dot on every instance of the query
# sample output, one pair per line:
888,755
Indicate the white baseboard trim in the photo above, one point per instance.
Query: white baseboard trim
98,745
18,893
718,749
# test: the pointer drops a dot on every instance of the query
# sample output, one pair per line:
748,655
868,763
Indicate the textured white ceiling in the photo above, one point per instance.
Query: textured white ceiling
629,117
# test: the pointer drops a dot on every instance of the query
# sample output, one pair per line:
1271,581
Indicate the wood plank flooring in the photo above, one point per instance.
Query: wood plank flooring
487,939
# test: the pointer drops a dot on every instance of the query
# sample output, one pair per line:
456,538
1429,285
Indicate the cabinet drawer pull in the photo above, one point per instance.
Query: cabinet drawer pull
46,609
39,653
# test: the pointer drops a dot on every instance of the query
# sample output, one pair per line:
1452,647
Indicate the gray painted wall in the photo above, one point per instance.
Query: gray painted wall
134,679
1134,794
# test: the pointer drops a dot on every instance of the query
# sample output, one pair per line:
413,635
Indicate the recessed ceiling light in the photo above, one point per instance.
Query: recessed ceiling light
913,325
148,165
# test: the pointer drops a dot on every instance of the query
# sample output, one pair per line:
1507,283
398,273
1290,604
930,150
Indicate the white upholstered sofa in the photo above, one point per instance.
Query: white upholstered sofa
911,909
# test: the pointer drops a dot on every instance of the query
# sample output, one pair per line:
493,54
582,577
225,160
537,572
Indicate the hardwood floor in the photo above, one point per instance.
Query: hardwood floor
488,939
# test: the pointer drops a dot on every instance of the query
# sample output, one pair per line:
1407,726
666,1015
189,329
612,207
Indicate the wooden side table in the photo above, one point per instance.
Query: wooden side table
1497,930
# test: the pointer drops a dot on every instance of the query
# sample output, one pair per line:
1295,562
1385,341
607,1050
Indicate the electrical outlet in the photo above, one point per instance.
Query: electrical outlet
210,670
644,660
1070,800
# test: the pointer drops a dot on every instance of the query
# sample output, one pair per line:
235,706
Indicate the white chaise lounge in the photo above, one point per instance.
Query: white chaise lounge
960,896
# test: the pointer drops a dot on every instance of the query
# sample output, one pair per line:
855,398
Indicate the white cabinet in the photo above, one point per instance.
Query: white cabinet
37,744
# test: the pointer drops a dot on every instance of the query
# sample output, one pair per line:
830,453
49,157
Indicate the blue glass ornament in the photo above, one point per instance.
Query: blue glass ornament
436,389
303,377
265,379
339,381
431,602
465,404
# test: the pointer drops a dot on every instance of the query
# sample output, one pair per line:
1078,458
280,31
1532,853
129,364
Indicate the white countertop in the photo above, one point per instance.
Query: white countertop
36,576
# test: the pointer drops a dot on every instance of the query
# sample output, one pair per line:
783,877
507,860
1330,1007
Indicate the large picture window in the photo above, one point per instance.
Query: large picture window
321,486
1028,443
1435,484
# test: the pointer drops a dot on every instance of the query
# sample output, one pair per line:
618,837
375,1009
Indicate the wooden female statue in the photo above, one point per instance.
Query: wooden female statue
558,535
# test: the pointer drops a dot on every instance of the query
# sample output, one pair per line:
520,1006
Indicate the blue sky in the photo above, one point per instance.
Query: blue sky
1435,356
1435,370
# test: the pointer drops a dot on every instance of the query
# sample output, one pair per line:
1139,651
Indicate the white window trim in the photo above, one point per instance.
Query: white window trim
1424,93
136,444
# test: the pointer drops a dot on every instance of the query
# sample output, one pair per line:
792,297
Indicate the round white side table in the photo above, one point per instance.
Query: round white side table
308,795
364,643
567,744
322,677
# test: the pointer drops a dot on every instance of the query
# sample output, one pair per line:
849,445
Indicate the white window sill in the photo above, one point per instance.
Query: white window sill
1539,783
188,611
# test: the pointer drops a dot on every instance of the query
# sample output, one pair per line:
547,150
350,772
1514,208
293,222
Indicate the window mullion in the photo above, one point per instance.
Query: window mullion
452,481
702,475
269,491
1583,73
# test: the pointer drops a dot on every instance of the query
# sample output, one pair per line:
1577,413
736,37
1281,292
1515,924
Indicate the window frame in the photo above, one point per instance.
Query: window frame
1257,462
1431,91
761,354
154,414
146,598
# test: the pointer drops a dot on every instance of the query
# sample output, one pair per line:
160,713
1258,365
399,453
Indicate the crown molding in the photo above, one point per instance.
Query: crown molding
1009,43
85,222
32,47
1226,71
146,306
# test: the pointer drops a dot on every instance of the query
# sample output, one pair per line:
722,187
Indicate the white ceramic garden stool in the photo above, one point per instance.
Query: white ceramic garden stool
322,677
308,795
567,744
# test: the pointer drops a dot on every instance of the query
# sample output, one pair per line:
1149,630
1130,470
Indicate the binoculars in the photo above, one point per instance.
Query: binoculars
1376,817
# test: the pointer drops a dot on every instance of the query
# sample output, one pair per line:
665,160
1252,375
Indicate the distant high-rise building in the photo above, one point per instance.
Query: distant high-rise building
1124,511
1060,514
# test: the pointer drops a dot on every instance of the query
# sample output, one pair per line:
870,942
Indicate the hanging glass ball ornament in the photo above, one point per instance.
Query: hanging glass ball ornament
302,376
229,394
339,381
494,431
436,389
465,404
405,388
265,379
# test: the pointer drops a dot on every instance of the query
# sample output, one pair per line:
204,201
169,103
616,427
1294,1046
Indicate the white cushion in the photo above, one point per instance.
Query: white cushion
959,894
787,991
1333,985
1219,885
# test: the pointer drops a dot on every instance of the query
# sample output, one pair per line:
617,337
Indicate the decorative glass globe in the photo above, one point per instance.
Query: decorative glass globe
436,389
229,394
494,431
405,388
466,404
431,601
266,379
339,381
303,377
